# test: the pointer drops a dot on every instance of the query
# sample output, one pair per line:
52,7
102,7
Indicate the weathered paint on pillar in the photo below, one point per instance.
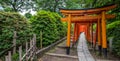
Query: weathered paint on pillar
104,41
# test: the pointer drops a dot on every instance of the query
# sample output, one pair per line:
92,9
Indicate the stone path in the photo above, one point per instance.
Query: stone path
82,49
59,54
79,52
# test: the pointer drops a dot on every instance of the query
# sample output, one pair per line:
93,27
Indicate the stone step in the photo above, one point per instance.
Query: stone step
62,55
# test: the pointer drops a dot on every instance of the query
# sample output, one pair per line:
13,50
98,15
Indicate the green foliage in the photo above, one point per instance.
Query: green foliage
50,25
10,22
49,5
113,30
72,4
16,5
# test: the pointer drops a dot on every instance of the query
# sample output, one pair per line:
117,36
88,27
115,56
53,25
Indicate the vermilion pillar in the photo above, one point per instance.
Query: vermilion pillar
77,30
75,33
99,36
89,32
104,41
68,34
92,34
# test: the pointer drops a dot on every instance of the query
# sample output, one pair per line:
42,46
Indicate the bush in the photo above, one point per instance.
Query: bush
113,30
10,22
50,25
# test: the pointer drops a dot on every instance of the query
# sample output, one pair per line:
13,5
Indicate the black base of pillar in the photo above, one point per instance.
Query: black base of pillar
105,52
100,50
67,50
92,45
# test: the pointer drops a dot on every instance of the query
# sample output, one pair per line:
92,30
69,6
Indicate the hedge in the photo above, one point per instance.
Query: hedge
10,22
50,25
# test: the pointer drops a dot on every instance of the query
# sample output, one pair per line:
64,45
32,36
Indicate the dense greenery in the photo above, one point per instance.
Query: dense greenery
49,24
113,30
16,5
44,21
10,22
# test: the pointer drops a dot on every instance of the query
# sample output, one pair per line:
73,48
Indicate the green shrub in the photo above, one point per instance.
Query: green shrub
50,25
10,22
113,30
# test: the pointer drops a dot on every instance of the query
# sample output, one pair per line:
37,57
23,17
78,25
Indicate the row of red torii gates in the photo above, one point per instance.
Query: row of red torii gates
83,20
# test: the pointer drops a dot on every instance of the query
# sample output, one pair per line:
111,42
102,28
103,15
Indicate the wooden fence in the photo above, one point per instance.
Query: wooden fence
31,53
30,50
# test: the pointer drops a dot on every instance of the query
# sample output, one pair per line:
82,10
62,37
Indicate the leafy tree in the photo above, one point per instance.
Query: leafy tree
50,25
16,5
49,5
10,22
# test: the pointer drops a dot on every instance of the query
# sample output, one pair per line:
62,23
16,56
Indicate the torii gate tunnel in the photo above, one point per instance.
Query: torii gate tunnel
83,20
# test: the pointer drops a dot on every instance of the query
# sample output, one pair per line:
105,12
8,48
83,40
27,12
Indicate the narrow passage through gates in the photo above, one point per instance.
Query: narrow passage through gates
82,49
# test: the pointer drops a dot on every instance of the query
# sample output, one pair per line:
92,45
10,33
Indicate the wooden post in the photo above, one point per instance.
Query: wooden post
34,40
41,39
9,55
31,43
31,59
110,44
68,34
34,48
26,51
20,53
6,58
104,41
99,36
14,42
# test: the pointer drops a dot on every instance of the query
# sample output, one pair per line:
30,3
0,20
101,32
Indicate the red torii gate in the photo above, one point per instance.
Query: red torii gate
83,20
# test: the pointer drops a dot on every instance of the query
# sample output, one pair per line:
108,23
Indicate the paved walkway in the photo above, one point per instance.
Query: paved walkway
82,49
